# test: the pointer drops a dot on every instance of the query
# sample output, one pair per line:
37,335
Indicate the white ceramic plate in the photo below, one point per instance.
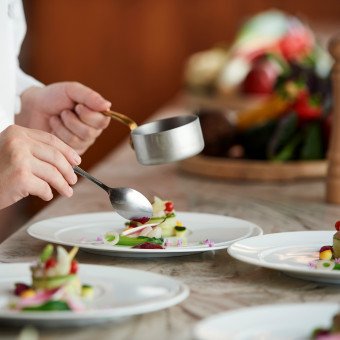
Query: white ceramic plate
268,322
288,252
118,292
69,230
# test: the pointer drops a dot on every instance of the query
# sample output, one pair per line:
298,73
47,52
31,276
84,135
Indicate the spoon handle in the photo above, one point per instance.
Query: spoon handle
83,173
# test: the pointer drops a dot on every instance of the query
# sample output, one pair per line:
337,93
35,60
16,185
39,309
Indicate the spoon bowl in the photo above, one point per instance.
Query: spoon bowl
127,202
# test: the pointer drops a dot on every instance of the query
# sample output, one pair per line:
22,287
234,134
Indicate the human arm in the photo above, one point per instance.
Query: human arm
31,162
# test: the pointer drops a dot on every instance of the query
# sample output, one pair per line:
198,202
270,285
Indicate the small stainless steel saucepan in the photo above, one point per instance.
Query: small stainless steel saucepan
163,141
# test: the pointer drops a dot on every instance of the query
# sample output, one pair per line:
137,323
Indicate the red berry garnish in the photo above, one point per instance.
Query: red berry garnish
50,263
337,225
325,248
74,267
20,288
148,245
142,220
169,206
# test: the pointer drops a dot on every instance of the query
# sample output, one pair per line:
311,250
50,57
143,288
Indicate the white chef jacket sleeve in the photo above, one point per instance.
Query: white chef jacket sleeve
5,121
23,82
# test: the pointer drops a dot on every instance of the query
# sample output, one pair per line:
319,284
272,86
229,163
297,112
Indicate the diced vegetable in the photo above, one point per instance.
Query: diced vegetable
132,241
20,288
49,306
180,231
63,264
52,282
87,291
46,253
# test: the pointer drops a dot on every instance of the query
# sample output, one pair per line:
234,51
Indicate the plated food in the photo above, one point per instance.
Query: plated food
112,293
329,255
87,231
162,230
55,285
290,252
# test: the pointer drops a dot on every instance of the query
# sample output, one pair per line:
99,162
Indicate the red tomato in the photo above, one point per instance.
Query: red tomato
50,263
296,43
74,267
169,206
261,78
305,109
337,225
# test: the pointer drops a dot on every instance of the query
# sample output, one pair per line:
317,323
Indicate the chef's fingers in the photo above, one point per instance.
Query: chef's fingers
51,175
92,118
82,94
74,123
61,131
60,166
56,143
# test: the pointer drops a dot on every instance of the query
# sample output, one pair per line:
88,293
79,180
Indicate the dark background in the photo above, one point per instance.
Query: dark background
133,53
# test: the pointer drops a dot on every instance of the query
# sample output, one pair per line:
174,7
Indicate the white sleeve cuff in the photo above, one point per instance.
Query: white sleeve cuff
23,82
5,121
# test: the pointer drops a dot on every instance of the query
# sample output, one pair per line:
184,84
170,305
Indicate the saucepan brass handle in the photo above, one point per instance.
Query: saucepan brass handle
121,118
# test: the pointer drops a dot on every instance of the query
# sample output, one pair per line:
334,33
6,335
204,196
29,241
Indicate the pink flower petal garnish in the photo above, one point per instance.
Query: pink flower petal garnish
312,264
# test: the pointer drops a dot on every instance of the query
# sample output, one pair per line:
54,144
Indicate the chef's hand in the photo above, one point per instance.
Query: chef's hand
33,161
69,110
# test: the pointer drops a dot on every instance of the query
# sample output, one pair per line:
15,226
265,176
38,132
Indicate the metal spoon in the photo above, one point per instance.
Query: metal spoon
127,202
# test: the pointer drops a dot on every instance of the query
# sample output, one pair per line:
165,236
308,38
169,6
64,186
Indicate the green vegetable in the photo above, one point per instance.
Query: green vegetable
336,266
312,145
153,220
282,135
289,151
110,237
255,139
133,241
49,306
52,282
180,231
46,253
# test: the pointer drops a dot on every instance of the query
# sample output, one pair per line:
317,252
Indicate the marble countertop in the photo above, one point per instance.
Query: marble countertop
217,282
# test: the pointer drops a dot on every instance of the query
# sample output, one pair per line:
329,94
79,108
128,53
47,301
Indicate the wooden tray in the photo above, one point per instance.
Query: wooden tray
253,170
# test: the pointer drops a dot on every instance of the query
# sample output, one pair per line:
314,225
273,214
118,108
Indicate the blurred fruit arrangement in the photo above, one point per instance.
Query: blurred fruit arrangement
276,59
